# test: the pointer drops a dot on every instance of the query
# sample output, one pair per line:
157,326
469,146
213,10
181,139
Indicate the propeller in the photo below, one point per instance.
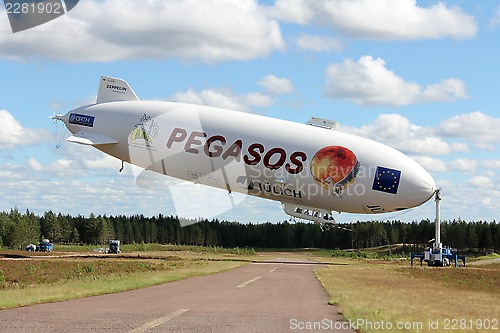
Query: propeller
56,117
59,130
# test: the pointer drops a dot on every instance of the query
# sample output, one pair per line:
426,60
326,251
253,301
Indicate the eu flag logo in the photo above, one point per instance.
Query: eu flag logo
386,180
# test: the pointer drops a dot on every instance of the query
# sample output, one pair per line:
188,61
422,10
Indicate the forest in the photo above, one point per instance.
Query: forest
19,229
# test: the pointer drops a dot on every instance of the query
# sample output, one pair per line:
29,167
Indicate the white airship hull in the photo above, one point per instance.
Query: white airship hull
303,166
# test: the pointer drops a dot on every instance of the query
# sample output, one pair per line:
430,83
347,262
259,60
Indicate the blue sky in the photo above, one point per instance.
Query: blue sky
418,76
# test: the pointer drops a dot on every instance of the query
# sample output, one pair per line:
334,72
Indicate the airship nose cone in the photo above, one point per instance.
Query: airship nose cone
428,186
422,186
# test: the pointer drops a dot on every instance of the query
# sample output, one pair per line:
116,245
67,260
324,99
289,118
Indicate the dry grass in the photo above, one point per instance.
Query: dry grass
377,291
25,273
31,281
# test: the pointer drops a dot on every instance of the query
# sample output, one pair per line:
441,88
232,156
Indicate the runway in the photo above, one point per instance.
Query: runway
273,297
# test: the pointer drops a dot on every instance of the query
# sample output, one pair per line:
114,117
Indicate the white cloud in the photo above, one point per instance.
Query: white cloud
292,11
480,181
468,198
478,127
381,20
103,162
223,98
463,164
425,145
209,31
459,147
13,134
226,98
318,43
491,164
486,201
258,99
400,19
58,166
55,105
397,131
78,189
34,164
190,97
446,91
221,30
74,162
275,85
495,20
218,98
431,164
368,82
9,174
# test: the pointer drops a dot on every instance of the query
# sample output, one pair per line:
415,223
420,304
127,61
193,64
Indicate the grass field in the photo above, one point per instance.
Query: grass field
391,296
42,279
374,290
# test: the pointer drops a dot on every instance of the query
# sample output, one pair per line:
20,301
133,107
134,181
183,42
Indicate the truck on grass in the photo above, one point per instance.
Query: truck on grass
114,246
45,246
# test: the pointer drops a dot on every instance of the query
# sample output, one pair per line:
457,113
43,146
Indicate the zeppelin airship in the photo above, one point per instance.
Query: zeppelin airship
312,169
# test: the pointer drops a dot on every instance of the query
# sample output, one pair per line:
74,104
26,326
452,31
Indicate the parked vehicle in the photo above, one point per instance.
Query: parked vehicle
45,246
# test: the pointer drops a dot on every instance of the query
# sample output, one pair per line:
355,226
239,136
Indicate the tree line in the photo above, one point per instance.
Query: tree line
19,229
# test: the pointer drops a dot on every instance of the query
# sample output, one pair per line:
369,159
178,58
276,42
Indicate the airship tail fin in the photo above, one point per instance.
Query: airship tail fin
113,90
91,139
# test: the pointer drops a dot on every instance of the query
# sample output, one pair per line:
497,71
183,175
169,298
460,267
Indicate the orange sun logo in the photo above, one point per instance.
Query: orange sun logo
334,167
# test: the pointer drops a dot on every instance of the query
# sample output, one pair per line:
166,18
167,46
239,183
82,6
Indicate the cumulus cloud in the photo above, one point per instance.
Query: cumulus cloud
74,161
292,11
461,147
369,82
495,20
40,186
102,162
463,164
380,20
222,30
478,127
258,100
446,91
480,181
218,98
223,98
397,131
95,30
318,43
10,173
275,85
13,134
55,105
452,135
34,164
226,98
431,164
400,19
61,165
491,164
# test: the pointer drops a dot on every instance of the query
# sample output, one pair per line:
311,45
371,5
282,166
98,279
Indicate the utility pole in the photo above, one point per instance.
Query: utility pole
437,238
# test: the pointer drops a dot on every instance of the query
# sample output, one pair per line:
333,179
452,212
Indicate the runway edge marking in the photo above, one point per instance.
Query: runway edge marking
157,322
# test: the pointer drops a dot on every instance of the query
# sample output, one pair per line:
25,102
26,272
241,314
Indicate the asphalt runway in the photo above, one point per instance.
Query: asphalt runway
485,262
278,296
